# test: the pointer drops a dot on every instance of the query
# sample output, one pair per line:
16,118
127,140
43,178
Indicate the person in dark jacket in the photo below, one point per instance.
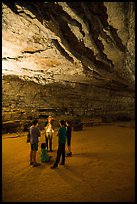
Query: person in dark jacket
69,130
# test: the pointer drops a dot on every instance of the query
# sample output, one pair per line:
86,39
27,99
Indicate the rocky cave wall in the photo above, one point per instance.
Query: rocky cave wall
60,57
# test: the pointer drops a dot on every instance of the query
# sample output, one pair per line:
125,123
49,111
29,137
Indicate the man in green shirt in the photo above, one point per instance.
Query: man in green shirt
62,134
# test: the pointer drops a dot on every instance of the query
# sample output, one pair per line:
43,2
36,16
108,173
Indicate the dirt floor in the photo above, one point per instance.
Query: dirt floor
102,168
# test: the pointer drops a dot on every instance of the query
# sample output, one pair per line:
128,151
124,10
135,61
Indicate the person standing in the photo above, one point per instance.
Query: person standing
61,144
69,130
49,133
34,135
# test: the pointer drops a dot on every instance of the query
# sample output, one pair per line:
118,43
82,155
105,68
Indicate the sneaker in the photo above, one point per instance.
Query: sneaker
36,164
31,163
53,167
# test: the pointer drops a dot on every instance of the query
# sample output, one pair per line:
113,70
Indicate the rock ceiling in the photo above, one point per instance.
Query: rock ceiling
85,47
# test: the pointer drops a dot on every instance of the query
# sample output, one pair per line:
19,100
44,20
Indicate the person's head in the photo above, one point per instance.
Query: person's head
35,122
50,118
43,145
62,122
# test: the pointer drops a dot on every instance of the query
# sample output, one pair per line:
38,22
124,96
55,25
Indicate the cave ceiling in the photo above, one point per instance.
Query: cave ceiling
68,41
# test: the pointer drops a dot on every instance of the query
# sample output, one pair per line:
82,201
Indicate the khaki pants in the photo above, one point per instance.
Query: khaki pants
48,138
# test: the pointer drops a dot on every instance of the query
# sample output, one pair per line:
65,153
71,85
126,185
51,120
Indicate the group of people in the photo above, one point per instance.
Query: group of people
64,135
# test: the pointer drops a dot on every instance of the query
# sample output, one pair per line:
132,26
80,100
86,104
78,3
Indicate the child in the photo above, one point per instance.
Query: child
44,157
61,144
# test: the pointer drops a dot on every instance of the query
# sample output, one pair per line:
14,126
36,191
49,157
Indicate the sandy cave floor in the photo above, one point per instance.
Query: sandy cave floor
102,168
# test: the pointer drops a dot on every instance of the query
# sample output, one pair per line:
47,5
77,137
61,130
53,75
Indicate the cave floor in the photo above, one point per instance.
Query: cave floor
102,168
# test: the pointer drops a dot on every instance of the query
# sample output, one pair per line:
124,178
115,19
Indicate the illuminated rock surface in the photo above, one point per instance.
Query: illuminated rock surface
68,56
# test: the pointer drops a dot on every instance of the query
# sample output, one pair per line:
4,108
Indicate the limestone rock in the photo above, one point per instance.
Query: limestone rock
59,56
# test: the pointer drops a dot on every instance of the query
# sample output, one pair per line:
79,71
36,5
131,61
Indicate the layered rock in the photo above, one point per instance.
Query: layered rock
60,57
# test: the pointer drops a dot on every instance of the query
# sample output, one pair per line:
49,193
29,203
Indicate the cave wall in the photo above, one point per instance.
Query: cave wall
58,57
29,100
